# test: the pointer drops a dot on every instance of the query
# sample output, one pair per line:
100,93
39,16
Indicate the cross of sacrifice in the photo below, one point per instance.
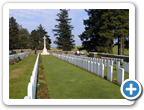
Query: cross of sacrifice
44,41
131,89
44,37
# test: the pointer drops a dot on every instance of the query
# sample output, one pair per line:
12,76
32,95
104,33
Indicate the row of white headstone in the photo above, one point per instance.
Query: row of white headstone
105,60
21,55
93,67
114,59
31,89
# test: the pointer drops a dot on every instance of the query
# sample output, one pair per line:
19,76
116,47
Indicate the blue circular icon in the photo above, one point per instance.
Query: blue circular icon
130,89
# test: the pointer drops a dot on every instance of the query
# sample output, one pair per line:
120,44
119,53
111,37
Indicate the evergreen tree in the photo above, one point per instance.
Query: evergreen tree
13,34
23,35
41,33
34,39
64,39
122,29
102,27
92,38
107,29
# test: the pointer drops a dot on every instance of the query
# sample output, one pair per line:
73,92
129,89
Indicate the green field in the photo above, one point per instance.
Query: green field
115,50
19,77
66,81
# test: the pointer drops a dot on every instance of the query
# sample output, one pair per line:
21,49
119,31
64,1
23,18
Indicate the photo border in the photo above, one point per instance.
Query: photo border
8,6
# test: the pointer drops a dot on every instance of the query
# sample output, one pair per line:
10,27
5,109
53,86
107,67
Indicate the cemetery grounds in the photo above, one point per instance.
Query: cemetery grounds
58,79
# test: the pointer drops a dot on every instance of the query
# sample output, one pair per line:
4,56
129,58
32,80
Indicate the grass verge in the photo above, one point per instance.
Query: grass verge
19,77
66,81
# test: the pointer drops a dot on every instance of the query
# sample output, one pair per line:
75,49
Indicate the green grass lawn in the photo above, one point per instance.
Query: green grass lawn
19,77
115,51
66,81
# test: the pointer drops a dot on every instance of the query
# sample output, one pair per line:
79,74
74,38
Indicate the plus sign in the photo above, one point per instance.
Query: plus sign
131,89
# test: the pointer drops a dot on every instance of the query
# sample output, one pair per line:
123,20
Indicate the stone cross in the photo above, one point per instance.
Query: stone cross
44,49
44,42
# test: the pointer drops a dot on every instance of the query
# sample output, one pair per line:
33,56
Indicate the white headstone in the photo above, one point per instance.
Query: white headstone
105,65
86,65
30,90
117,65
91,67
108,63
94,67
121,60
120,76
101,70
97,69
126,67
109,73
111,63
72,61
114,60
99,61
102,61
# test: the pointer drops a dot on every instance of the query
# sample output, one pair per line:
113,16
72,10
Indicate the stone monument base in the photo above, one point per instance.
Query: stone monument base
45,52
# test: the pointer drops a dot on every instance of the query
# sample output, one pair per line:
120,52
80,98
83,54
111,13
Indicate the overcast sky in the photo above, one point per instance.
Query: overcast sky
31,18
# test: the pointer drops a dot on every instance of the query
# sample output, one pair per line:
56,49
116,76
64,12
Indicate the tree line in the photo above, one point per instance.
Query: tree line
20,38
102,29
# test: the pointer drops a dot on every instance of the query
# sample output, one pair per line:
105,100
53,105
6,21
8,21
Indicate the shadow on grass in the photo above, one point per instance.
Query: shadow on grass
105,77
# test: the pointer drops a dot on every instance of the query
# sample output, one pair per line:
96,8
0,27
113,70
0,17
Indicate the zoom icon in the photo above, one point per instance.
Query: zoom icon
132,89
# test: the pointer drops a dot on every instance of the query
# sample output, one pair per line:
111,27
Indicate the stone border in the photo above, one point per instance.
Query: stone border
95,54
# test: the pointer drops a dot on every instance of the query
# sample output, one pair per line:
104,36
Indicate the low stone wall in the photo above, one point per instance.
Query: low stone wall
40,51
95,54
24,50
56,51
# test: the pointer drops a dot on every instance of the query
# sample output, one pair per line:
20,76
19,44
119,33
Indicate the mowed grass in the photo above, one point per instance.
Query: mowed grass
19,77
115,50
66,81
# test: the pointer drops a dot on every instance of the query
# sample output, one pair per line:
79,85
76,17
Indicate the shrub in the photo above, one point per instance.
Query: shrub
97,57
40,72
115,80
13,52
19,58
66,52
16,59
11,62
22,51
25,55
41,66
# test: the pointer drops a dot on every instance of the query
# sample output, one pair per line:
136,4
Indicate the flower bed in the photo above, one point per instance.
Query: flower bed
16,60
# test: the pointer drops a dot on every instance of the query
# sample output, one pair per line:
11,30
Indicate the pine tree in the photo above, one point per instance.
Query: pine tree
102,27
23,35
13,34
41,33
108,27
93,38
34,39
64,39
122,29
